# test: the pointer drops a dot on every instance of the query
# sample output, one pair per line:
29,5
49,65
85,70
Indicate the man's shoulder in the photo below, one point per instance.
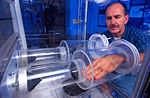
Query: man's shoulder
134,33
137,37
133,30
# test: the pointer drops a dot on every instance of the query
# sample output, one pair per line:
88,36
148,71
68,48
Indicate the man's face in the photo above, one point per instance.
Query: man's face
116,20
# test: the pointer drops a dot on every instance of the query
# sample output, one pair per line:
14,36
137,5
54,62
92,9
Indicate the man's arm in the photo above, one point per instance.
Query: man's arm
107,64
104,65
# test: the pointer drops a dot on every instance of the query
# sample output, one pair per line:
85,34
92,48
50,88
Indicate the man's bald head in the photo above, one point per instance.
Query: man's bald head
122,4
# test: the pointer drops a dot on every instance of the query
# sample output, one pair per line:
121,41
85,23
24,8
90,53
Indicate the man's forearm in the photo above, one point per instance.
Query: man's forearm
105,65
117,59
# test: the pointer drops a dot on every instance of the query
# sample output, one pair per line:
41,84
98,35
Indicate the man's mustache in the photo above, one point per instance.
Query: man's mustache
112,26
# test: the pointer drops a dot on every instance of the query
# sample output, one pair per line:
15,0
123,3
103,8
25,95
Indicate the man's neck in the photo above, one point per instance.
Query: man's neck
115,38
119,34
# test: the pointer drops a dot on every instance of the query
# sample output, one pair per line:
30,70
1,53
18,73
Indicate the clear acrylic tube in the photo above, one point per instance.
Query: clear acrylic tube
44,56
56,76
96,41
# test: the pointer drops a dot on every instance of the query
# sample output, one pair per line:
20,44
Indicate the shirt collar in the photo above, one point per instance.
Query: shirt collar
122,37
125,32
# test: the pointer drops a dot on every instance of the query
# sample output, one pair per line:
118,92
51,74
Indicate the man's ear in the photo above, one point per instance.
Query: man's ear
126,19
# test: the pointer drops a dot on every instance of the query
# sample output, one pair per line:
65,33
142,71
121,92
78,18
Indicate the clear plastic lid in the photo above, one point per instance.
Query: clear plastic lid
101,43
65,46
131,53
85,58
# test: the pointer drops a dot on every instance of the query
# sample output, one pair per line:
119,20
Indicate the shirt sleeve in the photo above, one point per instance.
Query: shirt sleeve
142,41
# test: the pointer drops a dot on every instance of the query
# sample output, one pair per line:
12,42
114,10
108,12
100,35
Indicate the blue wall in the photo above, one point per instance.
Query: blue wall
92,20
71,13
138,10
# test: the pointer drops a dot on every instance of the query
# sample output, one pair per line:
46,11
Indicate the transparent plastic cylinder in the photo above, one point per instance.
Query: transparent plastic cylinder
120,47
37,57
96,41
55,76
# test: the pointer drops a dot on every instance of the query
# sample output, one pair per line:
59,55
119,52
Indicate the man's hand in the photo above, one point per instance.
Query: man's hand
104,65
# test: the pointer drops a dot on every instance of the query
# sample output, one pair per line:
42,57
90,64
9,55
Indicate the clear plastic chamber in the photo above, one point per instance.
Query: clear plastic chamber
58,75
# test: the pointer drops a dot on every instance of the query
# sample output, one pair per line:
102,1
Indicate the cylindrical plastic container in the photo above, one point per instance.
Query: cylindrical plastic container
96,41
36,57
55,76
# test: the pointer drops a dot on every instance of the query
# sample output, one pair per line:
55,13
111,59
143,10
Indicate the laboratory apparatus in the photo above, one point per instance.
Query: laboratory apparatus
54,61
34,78
43,73
120,47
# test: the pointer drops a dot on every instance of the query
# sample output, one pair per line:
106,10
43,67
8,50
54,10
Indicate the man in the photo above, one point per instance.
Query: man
116,18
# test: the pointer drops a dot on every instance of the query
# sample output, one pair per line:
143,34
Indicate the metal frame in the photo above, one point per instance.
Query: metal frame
141,83
15,5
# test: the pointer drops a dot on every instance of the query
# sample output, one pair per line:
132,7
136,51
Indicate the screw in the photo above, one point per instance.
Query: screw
14,85
12,73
